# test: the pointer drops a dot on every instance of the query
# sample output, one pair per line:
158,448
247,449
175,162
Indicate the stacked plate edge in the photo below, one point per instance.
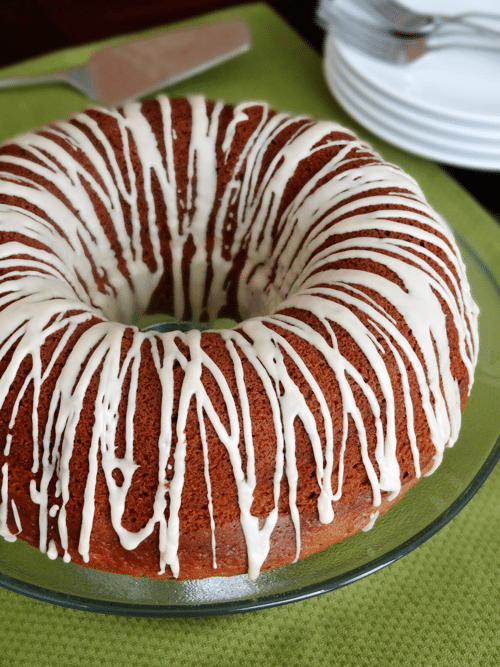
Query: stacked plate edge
445,106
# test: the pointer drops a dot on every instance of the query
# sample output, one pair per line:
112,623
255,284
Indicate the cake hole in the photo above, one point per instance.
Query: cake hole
164,324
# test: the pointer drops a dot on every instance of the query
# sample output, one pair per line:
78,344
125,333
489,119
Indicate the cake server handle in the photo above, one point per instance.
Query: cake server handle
14,81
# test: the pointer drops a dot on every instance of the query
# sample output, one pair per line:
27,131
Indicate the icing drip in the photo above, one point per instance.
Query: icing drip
85,277
4,529
371,522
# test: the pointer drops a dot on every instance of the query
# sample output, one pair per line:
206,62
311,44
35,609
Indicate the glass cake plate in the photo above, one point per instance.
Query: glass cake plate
420,514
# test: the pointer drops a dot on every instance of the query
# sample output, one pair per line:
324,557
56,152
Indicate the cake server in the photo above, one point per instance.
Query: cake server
128,71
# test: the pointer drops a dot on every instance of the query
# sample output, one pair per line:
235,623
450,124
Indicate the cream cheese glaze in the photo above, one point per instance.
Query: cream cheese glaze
81,259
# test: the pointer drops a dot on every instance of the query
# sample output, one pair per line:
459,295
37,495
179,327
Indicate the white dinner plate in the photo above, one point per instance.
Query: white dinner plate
458,84
386,126
450,139
450,128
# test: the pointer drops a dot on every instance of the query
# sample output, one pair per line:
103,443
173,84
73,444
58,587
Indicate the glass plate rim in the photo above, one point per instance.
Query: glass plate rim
278,599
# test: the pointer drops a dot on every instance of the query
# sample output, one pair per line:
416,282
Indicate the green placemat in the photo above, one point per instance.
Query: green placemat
440,605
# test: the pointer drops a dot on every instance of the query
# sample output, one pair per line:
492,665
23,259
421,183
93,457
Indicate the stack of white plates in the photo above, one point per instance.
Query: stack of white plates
445,106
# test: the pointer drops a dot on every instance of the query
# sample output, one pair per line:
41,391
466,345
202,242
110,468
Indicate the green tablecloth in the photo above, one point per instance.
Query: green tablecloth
439,605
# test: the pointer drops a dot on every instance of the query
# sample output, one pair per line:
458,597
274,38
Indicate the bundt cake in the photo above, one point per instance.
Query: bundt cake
223,451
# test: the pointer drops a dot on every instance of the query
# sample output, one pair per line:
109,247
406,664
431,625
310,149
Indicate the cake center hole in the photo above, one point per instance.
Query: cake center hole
180,325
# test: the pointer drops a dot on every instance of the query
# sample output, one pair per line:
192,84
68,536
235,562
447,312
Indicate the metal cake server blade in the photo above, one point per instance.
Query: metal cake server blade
128,71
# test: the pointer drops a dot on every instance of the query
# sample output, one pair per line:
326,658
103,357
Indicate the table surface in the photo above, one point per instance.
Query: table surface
437,606
33,27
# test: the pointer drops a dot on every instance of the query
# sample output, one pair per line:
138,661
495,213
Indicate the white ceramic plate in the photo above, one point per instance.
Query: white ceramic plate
451,139
458,84
387,127
434,124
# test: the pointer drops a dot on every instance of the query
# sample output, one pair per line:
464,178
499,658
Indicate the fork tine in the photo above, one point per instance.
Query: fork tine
400,48
369,40
396,15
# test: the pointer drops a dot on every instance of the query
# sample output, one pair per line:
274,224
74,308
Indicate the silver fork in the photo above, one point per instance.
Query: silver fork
405,20
399,47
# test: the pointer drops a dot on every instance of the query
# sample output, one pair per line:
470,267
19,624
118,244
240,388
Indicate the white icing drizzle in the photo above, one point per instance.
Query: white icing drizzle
371,522
16,516
52,550
4,529
291,257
